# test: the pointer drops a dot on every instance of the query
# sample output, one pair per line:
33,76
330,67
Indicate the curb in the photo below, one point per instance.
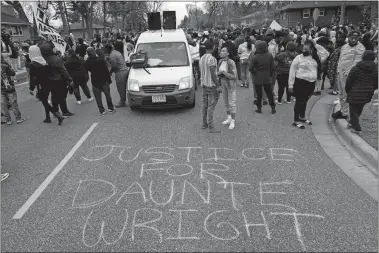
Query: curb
366,154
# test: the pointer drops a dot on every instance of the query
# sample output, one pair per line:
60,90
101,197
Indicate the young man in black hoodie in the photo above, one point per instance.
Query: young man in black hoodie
81,48
361,83
59,78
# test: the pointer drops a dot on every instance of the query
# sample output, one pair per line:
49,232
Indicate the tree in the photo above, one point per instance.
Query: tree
85,8
343,10
154,6
63,17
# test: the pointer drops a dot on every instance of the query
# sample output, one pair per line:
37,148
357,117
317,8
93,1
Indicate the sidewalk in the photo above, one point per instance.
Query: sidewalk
352,155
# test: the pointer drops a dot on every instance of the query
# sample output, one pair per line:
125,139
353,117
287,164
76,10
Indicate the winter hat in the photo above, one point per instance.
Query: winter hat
291,46
368,55
354,33
323,30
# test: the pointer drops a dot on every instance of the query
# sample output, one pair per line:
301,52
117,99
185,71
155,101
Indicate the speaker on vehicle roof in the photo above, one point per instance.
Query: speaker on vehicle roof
154,20
169,20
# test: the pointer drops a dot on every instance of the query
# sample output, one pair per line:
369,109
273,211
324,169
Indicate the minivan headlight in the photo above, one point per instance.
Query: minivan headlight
133,85
184,83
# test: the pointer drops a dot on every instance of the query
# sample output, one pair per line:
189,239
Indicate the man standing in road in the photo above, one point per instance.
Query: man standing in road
211,86
350,55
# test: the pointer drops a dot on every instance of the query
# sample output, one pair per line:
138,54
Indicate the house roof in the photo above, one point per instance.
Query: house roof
11,20
318,4
255,14
78,26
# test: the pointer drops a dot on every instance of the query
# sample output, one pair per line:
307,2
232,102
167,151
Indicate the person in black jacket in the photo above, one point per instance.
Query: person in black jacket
81,48
75,67
101,80
361,83
38,78
262,70
366,41
58,78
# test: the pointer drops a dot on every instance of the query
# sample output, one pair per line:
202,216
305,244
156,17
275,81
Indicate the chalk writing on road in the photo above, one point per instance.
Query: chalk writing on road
202,199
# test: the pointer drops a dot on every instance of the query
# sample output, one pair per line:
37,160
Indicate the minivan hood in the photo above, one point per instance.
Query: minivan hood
159,76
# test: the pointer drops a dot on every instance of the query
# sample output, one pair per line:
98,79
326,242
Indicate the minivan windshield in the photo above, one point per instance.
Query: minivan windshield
165,54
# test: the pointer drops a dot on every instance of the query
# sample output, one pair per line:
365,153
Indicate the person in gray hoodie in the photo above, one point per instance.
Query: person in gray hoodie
262,70
284,61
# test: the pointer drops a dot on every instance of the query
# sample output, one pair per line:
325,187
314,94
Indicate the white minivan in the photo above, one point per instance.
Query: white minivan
167,79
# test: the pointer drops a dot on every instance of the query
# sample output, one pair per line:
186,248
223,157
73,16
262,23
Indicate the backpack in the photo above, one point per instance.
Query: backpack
139,60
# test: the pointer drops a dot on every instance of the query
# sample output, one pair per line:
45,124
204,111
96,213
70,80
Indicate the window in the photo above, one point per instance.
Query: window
165,54
322,12
306,13
16,30
284,15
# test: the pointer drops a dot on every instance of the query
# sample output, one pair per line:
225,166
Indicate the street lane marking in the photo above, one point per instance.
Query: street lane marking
20,213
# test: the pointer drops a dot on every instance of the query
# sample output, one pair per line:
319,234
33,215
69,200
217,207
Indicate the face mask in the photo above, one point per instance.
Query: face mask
306,53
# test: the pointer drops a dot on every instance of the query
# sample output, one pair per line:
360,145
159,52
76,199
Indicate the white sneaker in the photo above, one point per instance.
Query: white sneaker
288,102
279,103
90,99
227,122
232,125
336,102
79,102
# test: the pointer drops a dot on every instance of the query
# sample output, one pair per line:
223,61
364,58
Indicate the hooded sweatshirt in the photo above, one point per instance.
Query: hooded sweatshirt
262,64
349,57
97,66
302,67
285,59
75,67
38,66
56,70
362,82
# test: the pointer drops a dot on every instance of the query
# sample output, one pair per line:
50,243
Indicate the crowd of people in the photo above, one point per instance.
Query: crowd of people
297,60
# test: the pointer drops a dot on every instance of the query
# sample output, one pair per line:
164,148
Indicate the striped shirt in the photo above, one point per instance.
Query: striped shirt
205,63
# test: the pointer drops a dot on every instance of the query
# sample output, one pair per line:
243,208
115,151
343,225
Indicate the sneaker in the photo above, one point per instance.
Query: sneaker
336,102
111,111
20,120
204,126
79,102
227,122
9,122
68,114
356,131
4,176
103,113
232,125
334,93
90,99
279,103
288,101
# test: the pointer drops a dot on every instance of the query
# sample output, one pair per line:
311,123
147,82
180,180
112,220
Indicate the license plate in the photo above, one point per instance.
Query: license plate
159,99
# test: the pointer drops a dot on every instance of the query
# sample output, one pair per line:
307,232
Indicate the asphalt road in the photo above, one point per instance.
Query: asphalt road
154,181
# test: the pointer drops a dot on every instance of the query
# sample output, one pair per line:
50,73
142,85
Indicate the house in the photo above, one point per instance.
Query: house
19,28
258,19
77,29
302,12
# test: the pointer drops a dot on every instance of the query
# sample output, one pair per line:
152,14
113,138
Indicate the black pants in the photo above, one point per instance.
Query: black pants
355,113
268,90
43,96
283,85
97,94
59,96
85,89
302,91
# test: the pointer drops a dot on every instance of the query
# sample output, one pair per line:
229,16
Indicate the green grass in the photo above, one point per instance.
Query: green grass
369,124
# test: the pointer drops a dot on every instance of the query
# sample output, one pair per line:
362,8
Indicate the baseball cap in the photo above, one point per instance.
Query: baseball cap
354,33
206,33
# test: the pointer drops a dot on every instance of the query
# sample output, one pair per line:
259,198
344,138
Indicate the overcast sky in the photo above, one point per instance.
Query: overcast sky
179,7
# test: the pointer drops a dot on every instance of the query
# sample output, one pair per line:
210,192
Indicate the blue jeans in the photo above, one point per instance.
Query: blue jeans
10,99
210,99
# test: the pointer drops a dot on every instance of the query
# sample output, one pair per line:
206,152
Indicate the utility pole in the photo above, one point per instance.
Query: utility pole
197,21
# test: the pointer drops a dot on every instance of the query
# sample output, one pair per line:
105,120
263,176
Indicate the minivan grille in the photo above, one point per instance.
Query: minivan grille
159,88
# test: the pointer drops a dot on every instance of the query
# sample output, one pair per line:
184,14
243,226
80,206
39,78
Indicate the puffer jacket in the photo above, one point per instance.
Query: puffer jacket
349,57
56,70
362,82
